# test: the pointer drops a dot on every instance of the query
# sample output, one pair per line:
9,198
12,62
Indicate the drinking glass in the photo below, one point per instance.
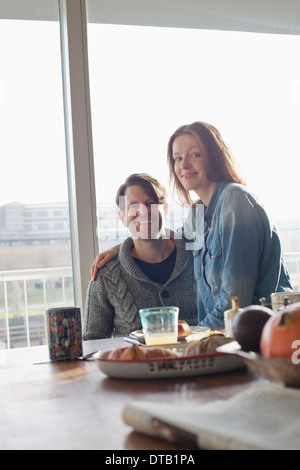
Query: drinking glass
160,325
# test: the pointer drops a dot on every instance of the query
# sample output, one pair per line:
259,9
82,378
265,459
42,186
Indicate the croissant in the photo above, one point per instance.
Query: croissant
138,353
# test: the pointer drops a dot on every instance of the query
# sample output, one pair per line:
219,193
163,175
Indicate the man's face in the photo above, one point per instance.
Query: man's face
143,217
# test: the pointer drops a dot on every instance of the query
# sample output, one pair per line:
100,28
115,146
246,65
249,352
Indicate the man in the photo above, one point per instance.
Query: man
152,269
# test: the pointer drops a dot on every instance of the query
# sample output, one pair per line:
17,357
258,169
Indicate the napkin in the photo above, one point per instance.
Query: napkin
265,416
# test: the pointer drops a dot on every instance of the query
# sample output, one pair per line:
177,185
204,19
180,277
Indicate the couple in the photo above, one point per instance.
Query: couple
240,254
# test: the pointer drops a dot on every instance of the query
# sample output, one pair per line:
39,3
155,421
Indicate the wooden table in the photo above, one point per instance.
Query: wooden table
72,405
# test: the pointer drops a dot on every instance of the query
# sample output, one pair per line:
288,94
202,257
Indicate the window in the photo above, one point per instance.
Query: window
33,147
147,81
14,227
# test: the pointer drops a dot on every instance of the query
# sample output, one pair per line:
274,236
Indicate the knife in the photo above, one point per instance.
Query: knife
61,359
133,341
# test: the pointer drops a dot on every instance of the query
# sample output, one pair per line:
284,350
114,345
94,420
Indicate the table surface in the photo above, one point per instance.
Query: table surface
73,405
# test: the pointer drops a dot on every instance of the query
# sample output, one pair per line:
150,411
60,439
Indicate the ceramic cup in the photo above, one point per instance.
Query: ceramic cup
277,299
64,333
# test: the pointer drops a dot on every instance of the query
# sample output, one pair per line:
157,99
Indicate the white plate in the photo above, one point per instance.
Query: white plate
168,367
139,334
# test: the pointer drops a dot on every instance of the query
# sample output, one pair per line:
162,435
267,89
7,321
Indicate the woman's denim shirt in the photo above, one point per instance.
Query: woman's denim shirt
240,256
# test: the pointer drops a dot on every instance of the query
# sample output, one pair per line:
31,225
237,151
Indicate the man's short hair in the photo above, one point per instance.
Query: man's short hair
150,185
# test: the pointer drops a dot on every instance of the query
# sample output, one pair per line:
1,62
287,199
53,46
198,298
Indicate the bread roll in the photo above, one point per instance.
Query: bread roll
139,353
183,328
152,353
207,345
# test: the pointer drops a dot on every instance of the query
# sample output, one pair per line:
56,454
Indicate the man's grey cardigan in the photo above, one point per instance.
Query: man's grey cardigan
121,289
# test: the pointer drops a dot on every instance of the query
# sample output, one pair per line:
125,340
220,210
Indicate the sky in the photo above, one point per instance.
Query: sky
146,82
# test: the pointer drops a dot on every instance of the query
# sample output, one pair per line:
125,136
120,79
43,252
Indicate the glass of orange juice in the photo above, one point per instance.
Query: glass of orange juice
160,325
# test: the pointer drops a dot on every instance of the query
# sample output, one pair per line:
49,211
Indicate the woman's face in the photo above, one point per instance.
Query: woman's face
189,164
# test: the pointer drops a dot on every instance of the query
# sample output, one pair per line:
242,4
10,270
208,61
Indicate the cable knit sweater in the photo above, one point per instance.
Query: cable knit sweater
121,289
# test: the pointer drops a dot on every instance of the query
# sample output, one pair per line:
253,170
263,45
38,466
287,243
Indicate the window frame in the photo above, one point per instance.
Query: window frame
79,144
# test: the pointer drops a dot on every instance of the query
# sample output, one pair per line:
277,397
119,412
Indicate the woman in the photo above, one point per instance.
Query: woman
240,252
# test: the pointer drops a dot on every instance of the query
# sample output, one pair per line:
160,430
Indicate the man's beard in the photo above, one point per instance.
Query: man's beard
146,230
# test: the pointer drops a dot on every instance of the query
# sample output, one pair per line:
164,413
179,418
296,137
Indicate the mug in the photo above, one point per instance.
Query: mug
277,299
64,333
